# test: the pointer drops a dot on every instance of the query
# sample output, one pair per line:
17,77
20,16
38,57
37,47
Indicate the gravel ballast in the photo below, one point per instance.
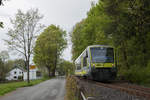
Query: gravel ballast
105,93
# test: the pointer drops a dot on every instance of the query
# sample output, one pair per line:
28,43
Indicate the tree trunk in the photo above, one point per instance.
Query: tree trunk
125,55
28,71
53,72
55,64
49,71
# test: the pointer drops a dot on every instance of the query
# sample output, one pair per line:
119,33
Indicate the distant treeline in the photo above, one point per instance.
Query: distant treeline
124,24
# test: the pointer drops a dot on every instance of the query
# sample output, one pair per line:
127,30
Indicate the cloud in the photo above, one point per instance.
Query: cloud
64,13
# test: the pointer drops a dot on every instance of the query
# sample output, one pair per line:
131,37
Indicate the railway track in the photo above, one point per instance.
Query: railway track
123,86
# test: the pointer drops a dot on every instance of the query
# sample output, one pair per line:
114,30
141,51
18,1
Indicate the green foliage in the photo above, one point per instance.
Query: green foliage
22,35
123,24
20,63
129,30
49,47
2,70
6,65
3,64
65,68
136,74
90,31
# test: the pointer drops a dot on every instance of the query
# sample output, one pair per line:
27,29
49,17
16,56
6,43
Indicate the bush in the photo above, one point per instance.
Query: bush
136,74
45,76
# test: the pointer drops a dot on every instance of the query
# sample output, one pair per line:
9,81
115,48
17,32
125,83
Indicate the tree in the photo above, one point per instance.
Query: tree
65,67
4,55
22,36
124,24
129,28
2,74
90,31
3,68
9,64
20,63
49,47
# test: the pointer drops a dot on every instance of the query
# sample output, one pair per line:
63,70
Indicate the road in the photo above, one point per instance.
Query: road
53,89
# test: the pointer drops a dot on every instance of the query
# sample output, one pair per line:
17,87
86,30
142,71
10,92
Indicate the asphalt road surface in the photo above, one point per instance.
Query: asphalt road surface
53,89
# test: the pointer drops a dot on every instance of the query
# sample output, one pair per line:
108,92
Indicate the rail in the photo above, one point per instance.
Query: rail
122,86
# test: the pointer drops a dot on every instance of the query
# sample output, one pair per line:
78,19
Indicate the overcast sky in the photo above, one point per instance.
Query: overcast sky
65,13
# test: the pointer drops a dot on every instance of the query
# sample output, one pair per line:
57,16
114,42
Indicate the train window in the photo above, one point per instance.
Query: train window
78,64
102,55
85,59
78,67
86,54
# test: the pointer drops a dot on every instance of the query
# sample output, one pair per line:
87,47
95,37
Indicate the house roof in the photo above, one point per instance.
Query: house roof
19,68
31,68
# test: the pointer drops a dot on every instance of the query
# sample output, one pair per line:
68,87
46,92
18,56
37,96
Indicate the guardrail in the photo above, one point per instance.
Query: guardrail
88,98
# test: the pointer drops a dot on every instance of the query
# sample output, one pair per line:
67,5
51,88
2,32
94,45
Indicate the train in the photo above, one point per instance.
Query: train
97,62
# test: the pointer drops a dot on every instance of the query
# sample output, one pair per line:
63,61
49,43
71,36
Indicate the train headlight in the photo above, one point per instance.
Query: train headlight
93,65
113,65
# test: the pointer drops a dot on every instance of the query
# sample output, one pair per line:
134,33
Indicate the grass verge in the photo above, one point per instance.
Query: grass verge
72,92
8,87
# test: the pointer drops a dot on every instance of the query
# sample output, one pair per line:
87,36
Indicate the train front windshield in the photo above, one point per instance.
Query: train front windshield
102,55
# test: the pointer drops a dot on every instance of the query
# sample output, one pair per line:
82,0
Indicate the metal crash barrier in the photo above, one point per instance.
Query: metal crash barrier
88,98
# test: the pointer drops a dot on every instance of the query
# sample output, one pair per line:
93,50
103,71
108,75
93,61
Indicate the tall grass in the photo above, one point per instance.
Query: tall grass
72,92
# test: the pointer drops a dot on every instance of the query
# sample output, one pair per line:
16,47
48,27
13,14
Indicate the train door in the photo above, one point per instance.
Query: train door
85,63
78,70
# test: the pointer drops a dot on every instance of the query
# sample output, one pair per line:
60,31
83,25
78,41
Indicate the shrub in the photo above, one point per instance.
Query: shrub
136,74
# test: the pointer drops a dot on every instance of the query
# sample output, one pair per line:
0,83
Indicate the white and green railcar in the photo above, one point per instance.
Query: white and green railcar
97,62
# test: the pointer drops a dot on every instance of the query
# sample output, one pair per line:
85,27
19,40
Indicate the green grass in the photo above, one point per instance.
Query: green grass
8,87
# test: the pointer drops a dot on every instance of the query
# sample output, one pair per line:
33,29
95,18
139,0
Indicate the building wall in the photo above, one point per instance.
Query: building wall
14,74
32,74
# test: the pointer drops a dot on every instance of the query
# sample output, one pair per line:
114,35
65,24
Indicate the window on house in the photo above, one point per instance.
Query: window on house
38,74
15,77
15,72
19,72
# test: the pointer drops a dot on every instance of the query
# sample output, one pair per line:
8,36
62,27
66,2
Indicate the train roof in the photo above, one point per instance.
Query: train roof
99,46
